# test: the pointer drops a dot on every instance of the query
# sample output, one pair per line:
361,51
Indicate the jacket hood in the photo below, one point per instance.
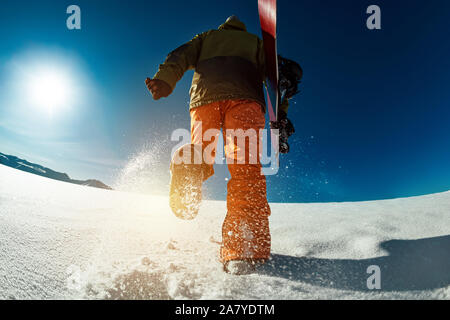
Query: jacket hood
233,25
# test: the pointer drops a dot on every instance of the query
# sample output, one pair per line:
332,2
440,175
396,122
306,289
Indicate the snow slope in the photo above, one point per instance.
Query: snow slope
59,240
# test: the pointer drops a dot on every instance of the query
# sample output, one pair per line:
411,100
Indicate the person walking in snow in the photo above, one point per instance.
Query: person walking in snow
227,93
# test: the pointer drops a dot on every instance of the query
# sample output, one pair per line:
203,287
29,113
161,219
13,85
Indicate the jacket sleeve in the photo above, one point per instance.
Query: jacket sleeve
179,61
262,67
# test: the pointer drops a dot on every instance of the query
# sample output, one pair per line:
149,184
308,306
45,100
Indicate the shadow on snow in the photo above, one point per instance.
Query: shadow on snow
422,264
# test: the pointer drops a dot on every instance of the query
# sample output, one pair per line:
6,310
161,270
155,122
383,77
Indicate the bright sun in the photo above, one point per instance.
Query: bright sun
50,90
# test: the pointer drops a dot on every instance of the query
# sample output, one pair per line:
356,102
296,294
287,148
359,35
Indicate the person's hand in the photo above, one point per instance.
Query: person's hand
158,88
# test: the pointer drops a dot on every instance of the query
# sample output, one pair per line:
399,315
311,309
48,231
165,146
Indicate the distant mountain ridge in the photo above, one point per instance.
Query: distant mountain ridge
24,165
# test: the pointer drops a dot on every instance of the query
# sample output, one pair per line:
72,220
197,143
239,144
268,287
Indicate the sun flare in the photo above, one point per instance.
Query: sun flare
50,90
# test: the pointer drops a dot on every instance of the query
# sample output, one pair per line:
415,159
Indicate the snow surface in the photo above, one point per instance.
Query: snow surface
64,241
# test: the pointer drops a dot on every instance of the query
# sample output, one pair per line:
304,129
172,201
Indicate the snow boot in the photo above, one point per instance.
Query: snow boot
242,267
186,180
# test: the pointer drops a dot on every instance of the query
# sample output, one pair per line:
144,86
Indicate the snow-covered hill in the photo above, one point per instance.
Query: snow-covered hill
59,240
24,165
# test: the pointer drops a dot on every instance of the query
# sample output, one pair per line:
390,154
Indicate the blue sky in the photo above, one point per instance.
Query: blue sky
372,119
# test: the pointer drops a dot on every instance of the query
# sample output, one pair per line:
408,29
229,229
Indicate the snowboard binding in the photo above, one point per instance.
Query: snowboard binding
290,75
186,170
286,129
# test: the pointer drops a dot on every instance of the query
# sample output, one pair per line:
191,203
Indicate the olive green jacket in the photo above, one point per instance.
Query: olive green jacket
228,64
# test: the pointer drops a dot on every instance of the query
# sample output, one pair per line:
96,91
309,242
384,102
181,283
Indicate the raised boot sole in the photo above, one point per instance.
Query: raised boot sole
186,182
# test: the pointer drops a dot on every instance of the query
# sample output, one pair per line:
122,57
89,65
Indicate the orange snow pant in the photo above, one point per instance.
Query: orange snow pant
245,231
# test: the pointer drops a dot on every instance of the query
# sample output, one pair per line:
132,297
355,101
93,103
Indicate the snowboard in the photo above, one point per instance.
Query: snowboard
268,20
186,178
